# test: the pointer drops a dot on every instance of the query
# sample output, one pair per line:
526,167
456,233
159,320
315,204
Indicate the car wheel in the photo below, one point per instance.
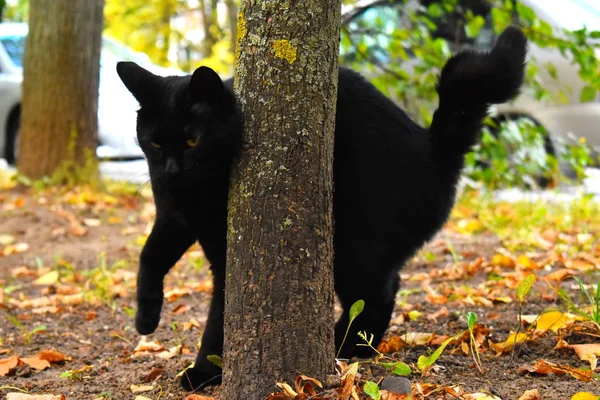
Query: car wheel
12,132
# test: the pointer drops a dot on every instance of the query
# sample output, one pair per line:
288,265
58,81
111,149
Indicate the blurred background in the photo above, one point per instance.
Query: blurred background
548,138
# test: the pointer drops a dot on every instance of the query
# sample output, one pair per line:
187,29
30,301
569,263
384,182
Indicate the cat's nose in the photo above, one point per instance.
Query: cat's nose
171,167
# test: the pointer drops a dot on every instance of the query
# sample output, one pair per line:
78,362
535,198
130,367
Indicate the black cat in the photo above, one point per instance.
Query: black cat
394,181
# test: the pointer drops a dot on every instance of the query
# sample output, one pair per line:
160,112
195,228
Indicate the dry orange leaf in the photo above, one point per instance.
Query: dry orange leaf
391,345
581,264
9,363
180,309
145,345
560,275
199,397
544,367
530,395
36,363
52,356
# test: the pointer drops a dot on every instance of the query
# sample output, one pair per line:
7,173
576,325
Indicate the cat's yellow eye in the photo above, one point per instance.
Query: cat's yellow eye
155,145
193,142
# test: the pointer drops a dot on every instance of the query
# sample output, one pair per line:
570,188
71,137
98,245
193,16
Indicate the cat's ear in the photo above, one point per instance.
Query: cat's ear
206,85
137,79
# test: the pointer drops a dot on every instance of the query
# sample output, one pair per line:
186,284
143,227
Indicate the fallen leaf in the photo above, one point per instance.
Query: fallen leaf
140,388
442,312
6,239
391,345
586,352
180,309
287,389
172,352
509,343
584,396
530,395
47,279
198,397
552,320
23,396
153,374
544,367
9,363
36,363
141,398
502,260
93,222
52,356
145,345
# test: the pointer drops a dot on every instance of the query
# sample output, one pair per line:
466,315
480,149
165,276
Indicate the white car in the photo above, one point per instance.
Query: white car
116,107
565,123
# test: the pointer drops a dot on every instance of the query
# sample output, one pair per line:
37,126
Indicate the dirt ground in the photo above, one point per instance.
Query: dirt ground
67,272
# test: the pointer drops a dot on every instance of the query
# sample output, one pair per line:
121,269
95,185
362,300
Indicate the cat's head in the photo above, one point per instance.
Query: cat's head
189,127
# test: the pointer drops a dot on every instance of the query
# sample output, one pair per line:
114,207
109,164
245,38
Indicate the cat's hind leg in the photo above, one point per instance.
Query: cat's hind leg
379,296
206,373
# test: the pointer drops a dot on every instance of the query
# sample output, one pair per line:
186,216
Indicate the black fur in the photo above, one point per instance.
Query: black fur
394,181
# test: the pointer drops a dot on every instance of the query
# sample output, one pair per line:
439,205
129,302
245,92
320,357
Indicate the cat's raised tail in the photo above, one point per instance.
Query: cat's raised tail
469,83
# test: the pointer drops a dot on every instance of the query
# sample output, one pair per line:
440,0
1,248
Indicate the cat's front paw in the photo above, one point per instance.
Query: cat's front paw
196,379
147,316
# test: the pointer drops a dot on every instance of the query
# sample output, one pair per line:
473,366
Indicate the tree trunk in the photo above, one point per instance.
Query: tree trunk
279,285
232,13
60,87
209,19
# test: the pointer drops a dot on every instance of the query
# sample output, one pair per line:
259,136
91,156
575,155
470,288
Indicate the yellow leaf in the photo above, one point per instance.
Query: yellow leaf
509,343
501,260
140,388
584,396
553,320
47,279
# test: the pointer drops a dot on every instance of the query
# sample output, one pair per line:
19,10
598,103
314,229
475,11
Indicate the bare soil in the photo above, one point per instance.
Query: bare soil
99,333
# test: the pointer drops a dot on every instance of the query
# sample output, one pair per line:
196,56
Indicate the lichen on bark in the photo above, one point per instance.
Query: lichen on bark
279,288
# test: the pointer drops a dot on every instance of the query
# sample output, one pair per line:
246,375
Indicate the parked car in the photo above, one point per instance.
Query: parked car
116,107
565,123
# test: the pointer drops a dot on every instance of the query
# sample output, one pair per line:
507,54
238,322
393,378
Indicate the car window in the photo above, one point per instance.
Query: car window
570,14
15,47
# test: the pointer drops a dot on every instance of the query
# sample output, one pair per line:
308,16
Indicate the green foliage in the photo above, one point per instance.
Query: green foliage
525,286
368,342
424,363
591,296
402,56
372,390
354,312
216,360
397,368
471,320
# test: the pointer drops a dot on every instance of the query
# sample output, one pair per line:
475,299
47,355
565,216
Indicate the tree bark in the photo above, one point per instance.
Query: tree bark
60,87
279,285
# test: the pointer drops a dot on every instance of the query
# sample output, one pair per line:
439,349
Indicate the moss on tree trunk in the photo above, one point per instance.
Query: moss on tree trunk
60,87
279,287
